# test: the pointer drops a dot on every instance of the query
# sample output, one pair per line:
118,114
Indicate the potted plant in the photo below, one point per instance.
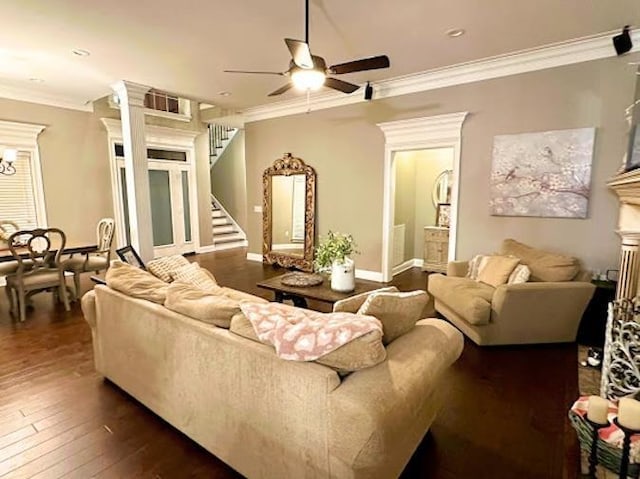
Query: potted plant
332,254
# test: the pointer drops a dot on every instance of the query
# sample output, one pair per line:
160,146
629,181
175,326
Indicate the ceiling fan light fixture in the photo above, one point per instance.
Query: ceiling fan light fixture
307,79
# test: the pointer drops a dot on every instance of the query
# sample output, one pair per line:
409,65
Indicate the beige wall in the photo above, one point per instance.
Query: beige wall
347,149
229,180
75,166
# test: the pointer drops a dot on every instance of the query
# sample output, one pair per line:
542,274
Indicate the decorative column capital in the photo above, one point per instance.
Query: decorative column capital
130,93
629,238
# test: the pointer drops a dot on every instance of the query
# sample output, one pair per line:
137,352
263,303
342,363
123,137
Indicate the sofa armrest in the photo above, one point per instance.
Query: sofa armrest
458,268
381,413
548,311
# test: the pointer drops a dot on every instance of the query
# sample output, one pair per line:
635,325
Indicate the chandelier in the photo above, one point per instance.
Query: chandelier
9,156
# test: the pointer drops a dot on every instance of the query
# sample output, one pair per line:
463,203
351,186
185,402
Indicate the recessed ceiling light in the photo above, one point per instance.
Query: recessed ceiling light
455,32
224,93
36,80
80,52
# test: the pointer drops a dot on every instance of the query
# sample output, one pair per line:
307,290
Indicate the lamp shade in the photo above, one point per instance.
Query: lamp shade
307,79
10,155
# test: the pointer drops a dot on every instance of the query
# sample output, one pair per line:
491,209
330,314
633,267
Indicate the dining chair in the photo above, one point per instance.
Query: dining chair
96,261
38,255
7,228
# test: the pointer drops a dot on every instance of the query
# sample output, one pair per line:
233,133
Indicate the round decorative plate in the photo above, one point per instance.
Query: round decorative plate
301,280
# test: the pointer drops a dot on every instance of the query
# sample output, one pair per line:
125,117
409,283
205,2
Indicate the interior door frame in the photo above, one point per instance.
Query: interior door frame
440,131
161,138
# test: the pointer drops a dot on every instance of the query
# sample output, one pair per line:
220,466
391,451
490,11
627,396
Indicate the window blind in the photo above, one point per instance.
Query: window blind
17,200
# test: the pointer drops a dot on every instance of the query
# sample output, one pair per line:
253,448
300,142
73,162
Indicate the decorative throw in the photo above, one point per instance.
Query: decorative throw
164,266
196,276
303,335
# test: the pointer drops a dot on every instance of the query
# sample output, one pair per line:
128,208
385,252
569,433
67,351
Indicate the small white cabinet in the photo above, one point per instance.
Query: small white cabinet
436,249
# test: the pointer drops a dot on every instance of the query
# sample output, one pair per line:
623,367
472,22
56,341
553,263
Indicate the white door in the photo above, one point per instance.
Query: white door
171,212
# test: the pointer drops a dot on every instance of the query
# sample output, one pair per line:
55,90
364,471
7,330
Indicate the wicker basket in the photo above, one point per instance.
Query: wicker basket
608,455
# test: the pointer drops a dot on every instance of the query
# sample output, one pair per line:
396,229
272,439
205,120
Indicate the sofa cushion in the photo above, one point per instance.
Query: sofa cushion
363,352
468,298
163,267
398,312
196,276
353,303
136,282
211,307
544,266
495,270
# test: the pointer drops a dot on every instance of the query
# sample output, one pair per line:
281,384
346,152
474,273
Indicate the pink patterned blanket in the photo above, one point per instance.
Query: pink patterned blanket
303,335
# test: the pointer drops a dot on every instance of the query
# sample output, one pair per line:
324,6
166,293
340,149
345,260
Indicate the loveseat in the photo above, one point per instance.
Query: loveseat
545,309
264,416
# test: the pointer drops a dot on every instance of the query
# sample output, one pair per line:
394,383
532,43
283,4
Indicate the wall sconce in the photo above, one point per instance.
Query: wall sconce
9,156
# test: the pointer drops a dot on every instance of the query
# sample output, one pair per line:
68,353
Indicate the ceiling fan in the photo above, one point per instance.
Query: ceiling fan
309,72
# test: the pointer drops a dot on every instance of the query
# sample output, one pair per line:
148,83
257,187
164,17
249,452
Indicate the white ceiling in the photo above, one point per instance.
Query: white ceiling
183,47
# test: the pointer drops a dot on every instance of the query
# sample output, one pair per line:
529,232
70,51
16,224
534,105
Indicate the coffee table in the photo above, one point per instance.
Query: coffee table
322,292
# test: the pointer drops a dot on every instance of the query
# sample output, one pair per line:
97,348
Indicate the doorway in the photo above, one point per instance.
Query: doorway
423,181
434,132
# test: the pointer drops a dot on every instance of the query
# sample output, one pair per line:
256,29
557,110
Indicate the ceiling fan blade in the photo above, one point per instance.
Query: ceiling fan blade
300,52
281,90
372,63
256,73
340,85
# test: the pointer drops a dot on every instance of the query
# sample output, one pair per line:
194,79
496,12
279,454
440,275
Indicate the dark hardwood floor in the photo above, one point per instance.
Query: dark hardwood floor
505,415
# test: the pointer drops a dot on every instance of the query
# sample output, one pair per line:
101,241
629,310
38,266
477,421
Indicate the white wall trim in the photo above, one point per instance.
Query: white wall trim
441,131
29,95
407,265
553,55
24,137
369,275
254,257
156,136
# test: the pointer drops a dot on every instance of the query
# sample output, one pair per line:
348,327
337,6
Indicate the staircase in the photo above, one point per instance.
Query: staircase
226,232
219,138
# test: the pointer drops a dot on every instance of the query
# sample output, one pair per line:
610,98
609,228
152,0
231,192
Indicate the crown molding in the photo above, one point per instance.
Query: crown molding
420,130
549,56
20,135
12,92
161,136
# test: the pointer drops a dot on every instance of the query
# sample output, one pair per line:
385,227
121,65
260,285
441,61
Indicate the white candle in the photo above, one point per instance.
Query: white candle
629,413
597,410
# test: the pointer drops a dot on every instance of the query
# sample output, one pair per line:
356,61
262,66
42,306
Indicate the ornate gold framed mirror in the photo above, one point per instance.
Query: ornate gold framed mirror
288,213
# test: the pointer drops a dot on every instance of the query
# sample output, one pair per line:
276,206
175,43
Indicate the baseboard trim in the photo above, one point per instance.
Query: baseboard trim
254,257
206,249
410,263
369,275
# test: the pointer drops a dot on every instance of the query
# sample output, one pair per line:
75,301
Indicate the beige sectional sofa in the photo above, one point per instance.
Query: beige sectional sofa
266,417
545,309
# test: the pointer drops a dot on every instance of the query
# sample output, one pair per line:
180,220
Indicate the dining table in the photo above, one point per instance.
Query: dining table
69,250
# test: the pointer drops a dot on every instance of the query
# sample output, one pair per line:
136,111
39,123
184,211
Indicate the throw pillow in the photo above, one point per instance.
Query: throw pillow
136,282
363,352
474,266
196,276
520,275
163,267
206,306
497,269
398,312
353,303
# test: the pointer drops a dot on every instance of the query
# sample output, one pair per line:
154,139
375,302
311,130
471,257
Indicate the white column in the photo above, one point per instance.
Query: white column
629,264
131,96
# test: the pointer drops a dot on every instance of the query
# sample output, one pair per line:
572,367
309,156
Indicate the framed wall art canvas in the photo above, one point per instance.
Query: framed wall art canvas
443,215
545,174
633,153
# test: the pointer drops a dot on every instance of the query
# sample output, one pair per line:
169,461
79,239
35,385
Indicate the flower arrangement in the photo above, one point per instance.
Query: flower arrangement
334,247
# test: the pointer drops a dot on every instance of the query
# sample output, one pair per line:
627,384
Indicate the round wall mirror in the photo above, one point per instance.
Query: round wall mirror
441,192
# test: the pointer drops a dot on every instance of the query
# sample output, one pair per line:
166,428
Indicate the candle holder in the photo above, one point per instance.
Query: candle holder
593,456
626,447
